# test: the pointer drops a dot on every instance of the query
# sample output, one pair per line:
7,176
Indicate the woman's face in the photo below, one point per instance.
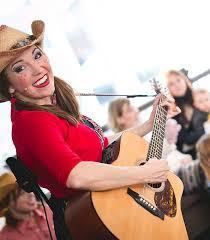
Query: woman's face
25,203
176,85
30,77
130,116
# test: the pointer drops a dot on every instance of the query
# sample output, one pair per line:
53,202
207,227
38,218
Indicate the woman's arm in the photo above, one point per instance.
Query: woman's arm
140,130
99,176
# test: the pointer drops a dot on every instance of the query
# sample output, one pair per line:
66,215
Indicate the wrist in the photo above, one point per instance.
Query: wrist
142,172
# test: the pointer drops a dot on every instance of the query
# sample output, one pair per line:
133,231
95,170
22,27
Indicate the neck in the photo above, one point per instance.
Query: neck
185,99
49,100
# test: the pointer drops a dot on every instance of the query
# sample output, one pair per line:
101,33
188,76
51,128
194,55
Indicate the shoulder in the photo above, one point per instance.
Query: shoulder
200,115
7,233
28,123
35,115
34,118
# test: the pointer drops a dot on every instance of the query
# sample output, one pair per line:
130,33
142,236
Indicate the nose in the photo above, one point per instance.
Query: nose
36,68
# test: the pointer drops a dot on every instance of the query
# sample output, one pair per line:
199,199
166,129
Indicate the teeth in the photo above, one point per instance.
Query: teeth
42,80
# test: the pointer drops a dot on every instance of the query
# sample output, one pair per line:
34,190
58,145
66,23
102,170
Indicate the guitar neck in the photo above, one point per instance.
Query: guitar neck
158,132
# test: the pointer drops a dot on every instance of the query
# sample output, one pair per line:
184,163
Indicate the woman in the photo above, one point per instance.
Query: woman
24,216
61,147
191,119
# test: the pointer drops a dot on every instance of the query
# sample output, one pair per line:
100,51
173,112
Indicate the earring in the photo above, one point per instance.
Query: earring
13,100
53,99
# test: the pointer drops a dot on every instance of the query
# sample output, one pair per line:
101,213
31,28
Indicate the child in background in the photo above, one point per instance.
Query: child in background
201,101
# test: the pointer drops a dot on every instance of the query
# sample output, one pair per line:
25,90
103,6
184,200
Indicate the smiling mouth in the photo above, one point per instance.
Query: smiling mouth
42,82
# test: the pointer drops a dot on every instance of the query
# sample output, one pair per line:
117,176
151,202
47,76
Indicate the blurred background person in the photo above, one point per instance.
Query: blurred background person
190,118
196,199
175,158
201,99
24,216
123,115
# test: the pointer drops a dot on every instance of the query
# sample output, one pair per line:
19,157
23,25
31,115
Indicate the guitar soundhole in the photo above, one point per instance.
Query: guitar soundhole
155,185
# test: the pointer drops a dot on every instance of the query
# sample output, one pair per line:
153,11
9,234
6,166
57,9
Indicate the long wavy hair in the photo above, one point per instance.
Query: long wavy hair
66,106
4,204
115,110
186,99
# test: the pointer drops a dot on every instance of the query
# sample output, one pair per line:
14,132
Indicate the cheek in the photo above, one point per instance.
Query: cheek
19,203
46,63
22,82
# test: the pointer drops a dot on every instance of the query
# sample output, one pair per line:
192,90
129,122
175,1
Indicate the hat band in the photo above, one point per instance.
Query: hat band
24,42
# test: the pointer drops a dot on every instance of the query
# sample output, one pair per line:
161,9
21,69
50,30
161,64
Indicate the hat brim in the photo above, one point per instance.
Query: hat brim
4,191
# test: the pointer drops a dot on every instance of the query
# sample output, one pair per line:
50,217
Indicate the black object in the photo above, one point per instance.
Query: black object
28,182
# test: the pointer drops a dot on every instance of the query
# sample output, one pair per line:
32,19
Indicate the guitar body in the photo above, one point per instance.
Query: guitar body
115,214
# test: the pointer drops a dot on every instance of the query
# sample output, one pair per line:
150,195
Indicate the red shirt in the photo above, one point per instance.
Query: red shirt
51,147
34,228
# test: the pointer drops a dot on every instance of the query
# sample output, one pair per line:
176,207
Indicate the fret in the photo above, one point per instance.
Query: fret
156,143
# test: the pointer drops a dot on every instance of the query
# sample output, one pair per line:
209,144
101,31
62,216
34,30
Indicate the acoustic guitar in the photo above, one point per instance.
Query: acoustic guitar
139,212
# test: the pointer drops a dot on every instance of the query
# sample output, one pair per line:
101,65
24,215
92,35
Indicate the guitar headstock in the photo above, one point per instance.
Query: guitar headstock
158,88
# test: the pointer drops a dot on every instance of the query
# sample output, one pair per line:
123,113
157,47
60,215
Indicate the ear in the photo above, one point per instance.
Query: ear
11,90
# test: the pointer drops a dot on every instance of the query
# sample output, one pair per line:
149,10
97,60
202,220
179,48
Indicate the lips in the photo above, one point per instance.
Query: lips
42,82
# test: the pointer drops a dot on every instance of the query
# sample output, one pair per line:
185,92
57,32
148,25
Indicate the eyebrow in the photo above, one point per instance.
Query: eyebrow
34,50
21,59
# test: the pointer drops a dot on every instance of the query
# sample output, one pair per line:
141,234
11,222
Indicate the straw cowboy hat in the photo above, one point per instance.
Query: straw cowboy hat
7,184
13,42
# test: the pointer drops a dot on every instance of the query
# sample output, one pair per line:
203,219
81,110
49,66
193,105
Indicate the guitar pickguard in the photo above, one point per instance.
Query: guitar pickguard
166,200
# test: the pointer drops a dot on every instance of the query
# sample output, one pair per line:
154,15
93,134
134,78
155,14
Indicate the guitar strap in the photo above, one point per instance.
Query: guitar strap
96,128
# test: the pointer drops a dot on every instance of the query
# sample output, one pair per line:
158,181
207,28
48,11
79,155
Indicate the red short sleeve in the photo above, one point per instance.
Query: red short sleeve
40,137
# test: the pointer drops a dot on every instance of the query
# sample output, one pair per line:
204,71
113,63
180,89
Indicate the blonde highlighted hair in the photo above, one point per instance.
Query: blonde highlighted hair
115,111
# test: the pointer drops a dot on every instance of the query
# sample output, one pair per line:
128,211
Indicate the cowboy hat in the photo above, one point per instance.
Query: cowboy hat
7,184
13,42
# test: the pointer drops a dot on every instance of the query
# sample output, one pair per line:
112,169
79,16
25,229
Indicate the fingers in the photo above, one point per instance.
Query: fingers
157,99
173,110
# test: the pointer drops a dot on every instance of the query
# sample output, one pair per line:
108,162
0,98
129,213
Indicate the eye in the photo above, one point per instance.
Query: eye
38,54
19,69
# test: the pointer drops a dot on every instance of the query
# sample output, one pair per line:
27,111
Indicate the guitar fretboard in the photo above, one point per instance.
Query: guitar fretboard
158,132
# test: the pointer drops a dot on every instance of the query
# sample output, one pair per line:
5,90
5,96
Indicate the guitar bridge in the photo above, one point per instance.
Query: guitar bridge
145,204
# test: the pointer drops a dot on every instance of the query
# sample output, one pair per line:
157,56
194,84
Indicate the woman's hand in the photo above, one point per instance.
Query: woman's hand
169,102
155,170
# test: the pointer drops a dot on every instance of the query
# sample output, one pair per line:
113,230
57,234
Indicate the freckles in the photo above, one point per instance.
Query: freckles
23,80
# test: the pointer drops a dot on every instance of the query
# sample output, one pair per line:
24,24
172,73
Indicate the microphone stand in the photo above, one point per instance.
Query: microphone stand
113,95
